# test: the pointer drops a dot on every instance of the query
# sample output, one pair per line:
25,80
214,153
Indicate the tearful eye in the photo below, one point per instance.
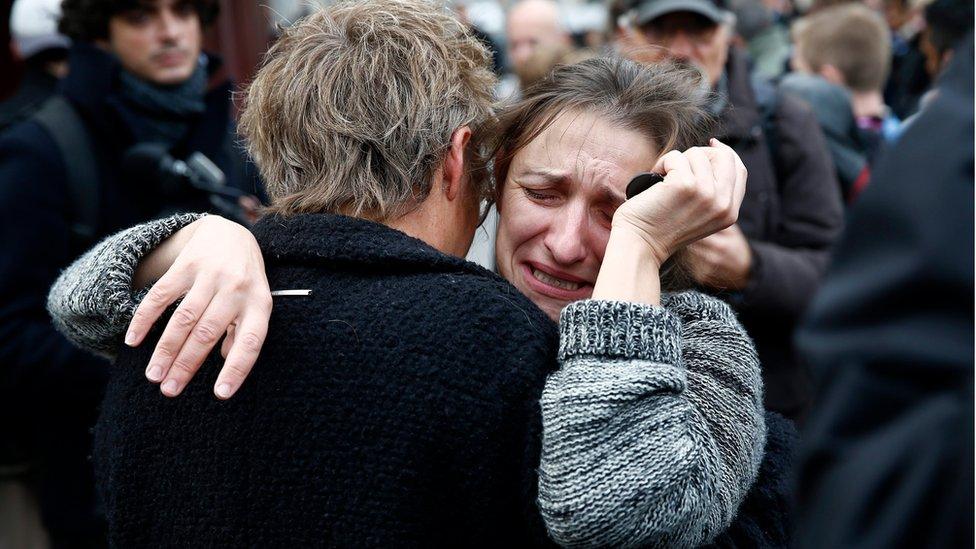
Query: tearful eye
535,195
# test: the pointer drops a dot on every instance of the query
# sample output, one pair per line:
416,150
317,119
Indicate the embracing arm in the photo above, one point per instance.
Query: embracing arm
213,265
653,425
93,300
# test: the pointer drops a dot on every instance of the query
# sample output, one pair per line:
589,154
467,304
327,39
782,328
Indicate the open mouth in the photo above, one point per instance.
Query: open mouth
553,281
557,285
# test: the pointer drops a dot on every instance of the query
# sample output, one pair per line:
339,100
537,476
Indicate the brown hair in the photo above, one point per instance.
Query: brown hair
354,108
853,38
664,101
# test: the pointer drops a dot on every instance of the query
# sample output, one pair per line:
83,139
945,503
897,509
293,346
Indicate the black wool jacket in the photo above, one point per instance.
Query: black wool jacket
396,405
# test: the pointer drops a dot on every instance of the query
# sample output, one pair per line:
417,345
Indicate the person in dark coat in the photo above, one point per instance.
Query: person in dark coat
769,264
401,390
49,390
888,453
909,79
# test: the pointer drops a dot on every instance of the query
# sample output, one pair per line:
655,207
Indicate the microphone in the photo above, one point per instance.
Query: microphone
153,161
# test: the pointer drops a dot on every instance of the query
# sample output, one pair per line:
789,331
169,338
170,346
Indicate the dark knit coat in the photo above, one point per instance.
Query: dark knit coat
397,405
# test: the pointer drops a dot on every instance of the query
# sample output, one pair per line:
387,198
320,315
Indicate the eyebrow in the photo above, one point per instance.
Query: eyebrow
606,193
546,173
610,195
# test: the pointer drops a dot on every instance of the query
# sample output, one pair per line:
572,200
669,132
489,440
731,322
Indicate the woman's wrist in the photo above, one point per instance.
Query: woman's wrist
630,270
158,261
637,238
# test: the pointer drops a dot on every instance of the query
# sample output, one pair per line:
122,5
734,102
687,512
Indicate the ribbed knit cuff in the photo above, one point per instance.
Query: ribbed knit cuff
135,244
619,329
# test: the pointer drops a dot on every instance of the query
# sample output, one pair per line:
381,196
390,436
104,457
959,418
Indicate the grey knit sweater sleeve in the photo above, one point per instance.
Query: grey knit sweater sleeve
92,301
653,425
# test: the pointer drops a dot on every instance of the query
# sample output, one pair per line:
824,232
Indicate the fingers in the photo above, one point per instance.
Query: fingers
202,338
701,165
228,342
722,159
177,329
673,165
161,295
732,169
249,337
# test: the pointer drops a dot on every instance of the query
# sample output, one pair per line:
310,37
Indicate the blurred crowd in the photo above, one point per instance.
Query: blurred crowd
850,264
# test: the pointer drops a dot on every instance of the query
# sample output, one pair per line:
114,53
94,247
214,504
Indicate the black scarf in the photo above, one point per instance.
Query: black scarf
167,110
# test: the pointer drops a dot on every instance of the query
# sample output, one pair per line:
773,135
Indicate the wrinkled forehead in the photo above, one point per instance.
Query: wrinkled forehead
586,148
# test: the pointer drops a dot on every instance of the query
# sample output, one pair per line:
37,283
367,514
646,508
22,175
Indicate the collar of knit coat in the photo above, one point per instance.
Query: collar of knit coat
326,238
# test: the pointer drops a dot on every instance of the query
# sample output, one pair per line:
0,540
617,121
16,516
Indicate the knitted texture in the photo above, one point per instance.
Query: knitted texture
652,430
654,426
765,518
396,405
92,301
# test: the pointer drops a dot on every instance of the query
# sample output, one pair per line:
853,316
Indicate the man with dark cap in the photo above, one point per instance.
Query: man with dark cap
770,263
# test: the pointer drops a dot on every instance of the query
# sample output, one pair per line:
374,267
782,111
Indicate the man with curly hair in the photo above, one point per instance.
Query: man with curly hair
137,75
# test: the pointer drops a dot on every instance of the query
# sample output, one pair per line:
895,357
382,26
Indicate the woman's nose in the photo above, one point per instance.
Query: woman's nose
565,239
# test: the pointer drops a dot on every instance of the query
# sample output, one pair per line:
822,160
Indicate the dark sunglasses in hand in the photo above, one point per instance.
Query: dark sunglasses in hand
642,182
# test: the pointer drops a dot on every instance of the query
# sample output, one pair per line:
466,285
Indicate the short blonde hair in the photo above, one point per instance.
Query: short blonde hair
353,109
853,38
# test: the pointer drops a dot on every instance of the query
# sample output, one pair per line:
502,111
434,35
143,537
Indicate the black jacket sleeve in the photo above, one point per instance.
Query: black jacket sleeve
787,268
38,365
888,453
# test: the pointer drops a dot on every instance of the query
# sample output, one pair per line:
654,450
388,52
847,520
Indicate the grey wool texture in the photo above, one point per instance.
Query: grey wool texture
92,301
653,424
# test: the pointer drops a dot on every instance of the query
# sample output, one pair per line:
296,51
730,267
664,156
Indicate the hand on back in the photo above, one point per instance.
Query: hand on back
220,271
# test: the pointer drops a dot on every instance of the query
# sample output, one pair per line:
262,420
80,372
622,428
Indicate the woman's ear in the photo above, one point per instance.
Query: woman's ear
454,163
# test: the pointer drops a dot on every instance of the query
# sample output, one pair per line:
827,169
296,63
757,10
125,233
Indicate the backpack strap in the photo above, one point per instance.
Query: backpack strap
65,126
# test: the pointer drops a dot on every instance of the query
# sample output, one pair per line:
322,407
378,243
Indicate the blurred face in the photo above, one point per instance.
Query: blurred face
557,204
533,27
686,37
158,41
